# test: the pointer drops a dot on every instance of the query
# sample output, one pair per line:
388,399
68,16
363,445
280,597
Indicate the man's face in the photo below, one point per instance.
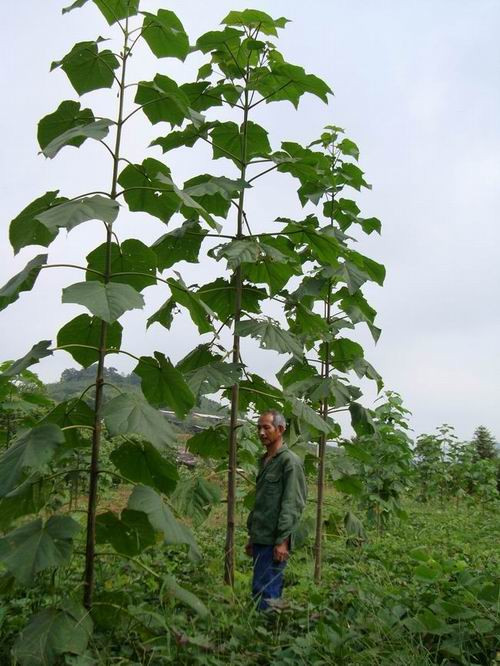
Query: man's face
268,432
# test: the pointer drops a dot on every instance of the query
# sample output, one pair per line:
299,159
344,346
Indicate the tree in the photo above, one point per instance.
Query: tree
484,444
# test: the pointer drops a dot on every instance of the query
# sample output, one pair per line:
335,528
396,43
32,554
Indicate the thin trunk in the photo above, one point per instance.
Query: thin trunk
318,545
88,582
231,473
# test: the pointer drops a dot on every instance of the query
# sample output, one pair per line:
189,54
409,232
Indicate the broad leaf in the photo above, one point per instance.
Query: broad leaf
256,20
200,312
163,385
172,589
220,294
115,10
106,301
187,204
36,546
143,191
165,34
142,463
54,632
130,414
70,214
195,497
75,136
210,443
72,412
130,257
162,100
28,499
227,140
162,519
345,353
23,281
271,336
304,413
29,454
212,377
67,116
238,252
26,230
351,485
86,331
358,309
87,68
129,534
182,244
213,193
257,392
38,351
361,420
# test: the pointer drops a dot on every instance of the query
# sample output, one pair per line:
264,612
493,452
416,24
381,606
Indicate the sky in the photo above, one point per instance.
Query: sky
416,86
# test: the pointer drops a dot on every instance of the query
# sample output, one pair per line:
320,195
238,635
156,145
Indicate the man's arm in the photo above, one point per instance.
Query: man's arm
293,501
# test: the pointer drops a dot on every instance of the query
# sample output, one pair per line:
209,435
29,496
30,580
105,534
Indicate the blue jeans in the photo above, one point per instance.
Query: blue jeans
267,580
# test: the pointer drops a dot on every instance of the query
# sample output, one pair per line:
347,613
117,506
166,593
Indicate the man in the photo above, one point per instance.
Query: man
279,501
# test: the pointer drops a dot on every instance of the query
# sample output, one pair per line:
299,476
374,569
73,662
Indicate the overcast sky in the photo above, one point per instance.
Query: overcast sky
416,85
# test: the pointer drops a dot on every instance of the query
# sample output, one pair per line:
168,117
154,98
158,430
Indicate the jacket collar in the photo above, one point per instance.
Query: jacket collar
282,448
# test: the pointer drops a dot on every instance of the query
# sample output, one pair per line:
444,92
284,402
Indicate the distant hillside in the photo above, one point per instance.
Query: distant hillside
74,382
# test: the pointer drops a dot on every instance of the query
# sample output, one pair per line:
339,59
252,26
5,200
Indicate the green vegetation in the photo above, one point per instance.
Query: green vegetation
121,505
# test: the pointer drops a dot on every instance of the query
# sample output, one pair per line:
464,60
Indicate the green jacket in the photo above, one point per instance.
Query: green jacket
280,498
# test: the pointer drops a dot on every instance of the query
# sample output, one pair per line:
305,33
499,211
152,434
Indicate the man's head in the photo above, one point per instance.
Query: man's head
271,426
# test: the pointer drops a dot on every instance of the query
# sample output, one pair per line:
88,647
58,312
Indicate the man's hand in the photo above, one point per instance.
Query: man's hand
280,552
249,549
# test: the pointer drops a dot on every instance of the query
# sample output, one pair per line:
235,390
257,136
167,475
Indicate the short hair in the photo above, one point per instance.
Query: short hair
278,418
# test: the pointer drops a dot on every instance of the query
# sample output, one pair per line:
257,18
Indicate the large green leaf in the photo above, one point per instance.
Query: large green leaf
213,376
86,331
239,252
213,193
219,39
194,498
172,589
130,414
162,519
345,353
163,316
70,214
28,499
73,412
163,385
142,463
87,68
304,413
28,455
75,136
200,312
220,294
188,205
282,81
67,116
126,259
227,140
112,10
210,443
163,101
53,632
351,485
256,20
375,270
143,191
182,244
165,34
26,230
271,336
129,534
186,137
358,309
361,419
115,10
106,301
38,351
23,281
36,546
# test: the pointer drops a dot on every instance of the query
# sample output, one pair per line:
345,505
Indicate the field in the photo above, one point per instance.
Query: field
421,592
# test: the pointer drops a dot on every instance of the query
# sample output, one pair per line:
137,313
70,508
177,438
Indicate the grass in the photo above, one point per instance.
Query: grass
419,593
